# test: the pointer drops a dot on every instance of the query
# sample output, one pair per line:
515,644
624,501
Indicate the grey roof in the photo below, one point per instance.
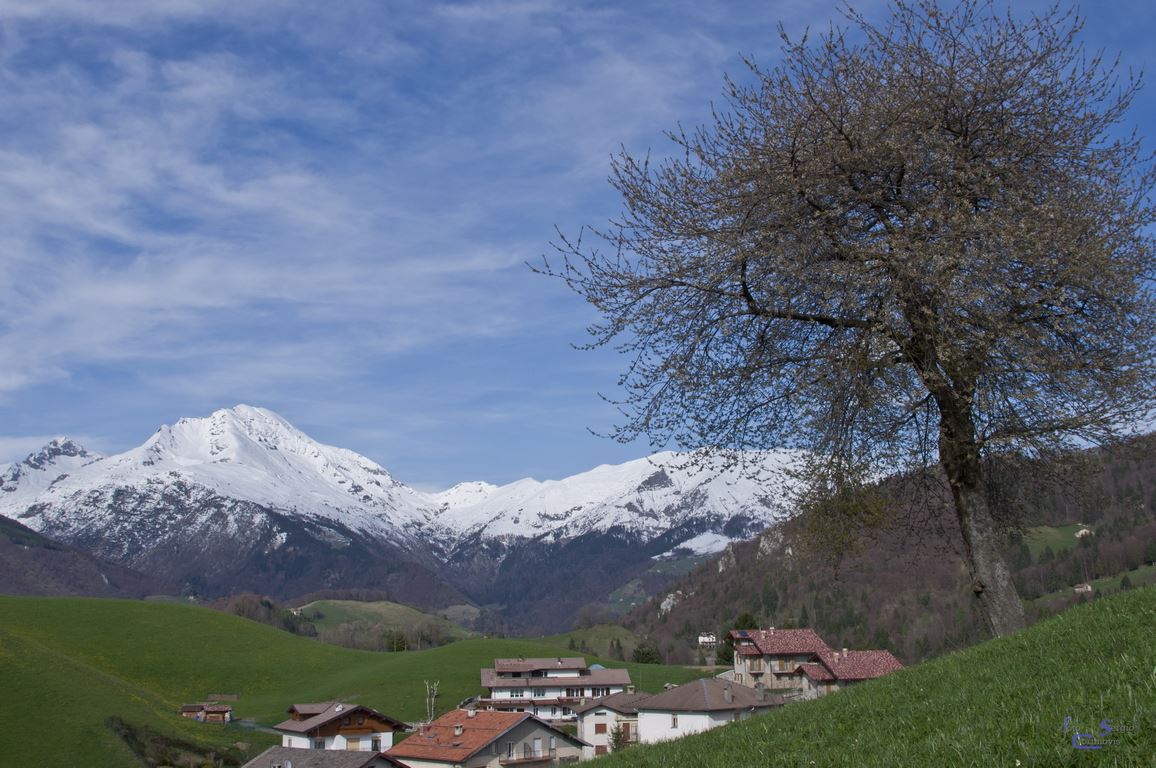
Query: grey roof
709,695
625,703
529,665
320,758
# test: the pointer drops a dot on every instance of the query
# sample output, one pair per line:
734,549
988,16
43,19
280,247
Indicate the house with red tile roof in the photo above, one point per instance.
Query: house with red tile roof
771,656
487,739
548,688
799,660
833,670
337,725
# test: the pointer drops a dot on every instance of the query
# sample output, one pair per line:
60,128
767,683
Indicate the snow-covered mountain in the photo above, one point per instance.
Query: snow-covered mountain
646,497
243,453
23,481
242,500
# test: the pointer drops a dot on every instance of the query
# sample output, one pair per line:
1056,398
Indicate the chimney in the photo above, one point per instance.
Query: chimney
844,654
471,713
458,729
728,695
630,688
771,630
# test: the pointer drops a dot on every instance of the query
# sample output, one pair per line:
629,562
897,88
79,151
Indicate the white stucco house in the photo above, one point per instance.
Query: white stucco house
699,706
548,688
598,720
335,725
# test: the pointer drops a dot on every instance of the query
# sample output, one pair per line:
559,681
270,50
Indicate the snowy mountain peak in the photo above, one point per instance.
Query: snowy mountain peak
57,447
23,481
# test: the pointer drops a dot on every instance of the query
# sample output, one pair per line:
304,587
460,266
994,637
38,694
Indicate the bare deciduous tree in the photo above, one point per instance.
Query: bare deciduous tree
927,247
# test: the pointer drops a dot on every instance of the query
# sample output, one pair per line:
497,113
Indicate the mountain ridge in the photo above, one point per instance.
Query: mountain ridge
242,500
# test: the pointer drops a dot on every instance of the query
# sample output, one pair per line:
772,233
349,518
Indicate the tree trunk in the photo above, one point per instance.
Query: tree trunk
1000,604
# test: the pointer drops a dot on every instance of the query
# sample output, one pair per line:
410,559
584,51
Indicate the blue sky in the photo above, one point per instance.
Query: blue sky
326,209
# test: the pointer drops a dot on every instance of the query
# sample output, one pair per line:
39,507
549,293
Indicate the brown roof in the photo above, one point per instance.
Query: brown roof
815,671
779,641
320,758
709,695
624,702
530,665
321,713
440,740
859,665
490,679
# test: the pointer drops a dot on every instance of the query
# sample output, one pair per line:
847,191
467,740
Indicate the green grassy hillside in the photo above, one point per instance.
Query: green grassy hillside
1058,537
80,661
1000,703
330,614
597,639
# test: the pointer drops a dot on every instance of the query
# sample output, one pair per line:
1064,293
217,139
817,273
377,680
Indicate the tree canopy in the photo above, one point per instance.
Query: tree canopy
912,243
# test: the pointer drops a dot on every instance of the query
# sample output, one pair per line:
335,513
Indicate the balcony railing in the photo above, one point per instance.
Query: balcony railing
521,758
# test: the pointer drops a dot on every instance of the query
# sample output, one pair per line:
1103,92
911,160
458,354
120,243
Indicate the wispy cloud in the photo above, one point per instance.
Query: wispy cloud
326,209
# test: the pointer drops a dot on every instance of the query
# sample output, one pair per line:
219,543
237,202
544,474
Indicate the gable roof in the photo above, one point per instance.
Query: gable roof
709,695
777,641
439,741
320,758
317,715
858,665
815,671
624,703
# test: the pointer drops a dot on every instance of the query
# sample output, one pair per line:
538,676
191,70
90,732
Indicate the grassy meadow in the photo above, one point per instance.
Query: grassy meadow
331,614
89,659
1001,703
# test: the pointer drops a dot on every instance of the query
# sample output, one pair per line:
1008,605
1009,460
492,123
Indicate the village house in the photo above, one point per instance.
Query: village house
334,725
469,738
771,656
208,712
598,720
797,660
832,670
548,688
289,757
698,706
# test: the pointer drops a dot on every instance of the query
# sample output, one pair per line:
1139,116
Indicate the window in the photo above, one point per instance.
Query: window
375,744
509,749
517,693
596,692
353,743
600,749
319,743
600,727
539,692
673,721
